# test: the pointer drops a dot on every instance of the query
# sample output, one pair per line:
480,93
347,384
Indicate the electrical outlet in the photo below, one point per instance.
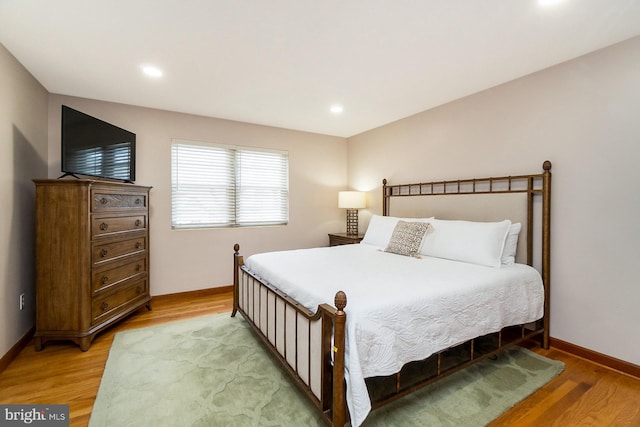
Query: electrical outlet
21,301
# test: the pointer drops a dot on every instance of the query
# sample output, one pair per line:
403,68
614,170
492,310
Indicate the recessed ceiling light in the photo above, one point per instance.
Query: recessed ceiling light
549,3
152,71
336,109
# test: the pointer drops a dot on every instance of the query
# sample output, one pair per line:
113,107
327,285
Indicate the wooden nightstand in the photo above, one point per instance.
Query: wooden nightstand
336,239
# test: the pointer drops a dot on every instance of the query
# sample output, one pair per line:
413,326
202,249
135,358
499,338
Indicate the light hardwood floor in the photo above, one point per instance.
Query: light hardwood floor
585,394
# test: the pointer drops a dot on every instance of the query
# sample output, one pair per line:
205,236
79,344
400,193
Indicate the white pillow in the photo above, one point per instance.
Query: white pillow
468,241
511,244
381,228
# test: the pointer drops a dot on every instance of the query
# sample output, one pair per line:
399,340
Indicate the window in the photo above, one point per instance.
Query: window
227,186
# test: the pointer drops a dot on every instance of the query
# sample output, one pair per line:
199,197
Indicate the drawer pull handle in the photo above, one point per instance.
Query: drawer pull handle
104,226
138,289
138,223
138,267
103,201
104,306
103,253
138,201
138,245
105,280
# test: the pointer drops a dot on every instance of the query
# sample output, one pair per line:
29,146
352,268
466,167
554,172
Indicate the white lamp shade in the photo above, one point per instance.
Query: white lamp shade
352,199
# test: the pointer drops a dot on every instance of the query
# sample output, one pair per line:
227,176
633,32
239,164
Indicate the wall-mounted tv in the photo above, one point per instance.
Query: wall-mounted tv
96,148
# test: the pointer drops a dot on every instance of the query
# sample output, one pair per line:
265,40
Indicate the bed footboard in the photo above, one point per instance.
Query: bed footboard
309,345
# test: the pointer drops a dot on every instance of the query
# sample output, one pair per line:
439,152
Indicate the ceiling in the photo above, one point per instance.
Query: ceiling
285,62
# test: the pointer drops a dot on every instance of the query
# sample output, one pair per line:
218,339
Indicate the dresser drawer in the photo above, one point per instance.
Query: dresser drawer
105,252
103,200
105,279
106,226
109,305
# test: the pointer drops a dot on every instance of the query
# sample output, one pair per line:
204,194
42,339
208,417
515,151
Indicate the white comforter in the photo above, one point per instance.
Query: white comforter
402,309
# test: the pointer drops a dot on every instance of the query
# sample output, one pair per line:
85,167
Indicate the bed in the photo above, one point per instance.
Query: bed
423,301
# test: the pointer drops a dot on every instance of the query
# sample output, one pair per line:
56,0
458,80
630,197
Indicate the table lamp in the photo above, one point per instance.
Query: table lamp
352,201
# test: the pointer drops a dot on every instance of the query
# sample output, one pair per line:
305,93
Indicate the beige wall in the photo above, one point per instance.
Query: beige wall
195,259
23,151
582,115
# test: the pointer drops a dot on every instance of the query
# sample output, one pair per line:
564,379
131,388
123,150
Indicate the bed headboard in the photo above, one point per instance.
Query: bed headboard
522,198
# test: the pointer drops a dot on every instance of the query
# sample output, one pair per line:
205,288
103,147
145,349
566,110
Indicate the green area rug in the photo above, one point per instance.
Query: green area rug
212,371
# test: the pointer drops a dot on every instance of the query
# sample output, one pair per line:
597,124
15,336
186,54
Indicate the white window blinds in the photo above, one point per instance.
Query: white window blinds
220,185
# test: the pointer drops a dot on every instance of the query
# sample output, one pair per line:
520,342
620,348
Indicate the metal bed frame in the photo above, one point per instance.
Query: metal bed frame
311,346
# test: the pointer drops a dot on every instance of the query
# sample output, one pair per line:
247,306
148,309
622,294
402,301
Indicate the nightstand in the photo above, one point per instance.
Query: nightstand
336,239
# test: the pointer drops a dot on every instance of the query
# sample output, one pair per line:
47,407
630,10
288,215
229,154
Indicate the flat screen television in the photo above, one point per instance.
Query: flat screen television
96,148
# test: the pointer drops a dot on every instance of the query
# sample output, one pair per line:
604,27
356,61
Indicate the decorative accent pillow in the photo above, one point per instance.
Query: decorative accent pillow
468,241
381,228
511,244
407,238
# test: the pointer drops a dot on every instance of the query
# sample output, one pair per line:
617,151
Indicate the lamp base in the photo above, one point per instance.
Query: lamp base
352,222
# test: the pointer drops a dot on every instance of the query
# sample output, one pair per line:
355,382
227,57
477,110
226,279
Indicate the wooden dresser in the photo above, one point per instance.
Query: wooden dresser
92,257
